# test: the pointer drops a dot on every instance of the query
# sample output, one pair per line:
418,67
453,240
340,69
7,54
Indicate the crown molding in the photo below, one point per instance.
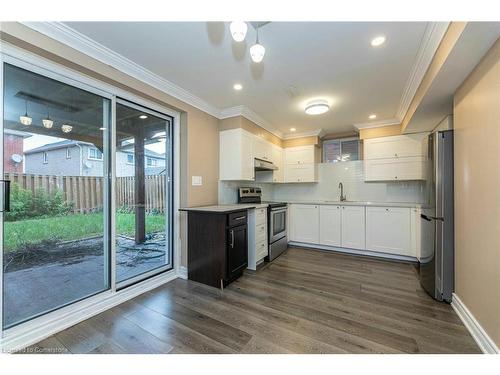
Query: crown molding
72,38
378,124
429,44
312,133
246,112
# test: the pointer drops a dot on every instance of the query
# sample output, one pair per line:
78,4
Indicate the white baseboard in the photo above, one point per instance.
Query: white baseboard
40,328
485,343
183,272
373,254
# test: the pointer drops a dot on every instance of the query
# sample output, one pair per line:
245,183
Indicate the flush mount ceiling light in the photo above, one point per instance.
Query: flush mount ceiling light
26,120
238,30
66,128
237,86
373,116
143,117
378,41
317,107
47,122
292,129
257,51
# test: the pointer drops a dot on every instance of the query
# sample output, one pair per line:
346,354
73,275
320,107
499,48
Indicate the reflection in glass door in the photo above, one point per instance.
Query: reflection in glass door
56,158
143,194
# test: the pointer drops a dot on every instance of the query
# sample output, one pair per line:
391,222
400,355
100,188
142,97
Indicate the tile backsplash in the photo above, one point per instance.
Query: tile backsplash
329,176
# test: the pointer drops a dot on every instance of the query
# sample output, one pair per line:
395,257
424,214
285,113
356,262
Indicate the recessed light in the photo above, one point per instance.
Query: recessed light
371,117
317,107
237,86
143,117
378,41
292,129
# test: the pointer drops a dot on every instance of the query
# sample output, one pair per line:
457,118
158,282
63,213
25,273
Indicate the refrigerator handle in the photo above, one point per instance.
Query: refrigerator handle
430,218
425,217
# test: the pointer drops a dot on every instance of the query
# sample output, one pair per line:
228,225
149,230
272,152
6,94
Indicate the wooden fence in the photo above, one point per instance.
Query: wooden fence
86,192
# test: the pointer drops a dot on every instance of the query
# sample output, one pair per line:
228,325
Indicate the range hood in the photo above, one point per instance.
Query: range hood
263,165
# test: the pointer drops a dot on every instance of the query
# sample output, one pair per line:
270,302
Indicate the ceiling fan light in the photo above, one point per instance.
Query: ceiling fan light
66,128
47,123
257,52
238,30
25,120
317,107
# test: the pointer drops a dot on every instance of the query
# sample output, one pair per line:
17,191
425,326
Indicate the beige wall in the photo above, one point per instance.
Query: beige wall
199,130
383,131
477,192
303,141
242,122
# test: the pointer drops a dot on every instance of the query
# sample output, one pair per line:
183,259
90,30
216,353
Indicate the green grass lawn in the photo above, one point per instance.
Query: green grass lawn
71,227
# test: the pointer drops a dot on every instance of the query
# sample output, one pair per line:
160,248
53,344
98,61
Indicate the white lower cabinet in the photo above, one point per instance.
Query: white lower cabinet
304,223
257,237
353,227
388,230
415,232
330,224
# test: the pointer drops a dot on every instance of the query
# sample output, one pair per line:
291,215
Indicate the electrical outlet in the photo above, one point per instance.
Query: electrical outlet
196,181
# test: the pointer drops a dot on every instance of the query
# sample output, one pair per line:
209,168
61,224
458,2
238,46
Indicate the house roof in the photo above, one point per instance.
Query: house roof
70,143
17,132
56,145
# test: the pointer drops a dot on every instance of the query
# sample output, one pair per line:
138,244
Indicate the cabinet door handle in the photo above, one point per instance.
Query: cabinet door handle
239,218
232,239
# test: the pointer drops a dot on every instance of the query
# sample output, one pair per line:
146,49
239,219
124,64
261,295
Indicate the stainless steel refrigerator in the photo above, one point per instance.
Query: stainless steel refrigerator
437,234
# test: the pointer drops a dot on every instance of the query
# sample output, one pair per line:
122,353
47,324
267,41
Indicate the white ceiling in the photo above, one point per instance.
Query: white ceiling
332,60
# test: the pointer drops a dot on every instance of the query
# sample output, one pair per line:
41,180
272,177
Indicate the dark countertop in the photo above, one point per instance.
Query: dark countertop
223,208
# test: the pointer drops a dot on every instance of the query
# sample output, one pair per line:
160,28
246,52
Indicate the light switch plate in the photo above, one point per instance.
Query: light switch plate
196,181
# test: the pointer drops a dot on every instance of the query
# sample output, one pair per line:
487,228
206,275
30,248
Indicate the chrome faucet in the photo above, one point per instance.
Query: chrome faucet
342,196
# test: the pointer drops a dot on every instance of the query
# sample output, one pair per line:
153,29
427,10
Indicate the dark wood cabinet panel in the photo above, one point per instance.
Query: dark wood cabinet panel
237,250
217,247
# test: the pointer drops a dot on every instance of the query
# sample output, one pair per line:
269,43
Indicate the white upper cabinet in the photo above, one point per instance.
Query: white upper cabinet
399,146
277,159
397,158
353,227
330,224
300,164
262,149
304,223
395,169
236,160
388,230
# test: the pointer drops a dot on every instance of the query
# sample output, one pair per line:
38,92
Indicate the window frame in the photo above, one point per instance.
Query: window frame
45,158
133,159
97,151
341,140
68,153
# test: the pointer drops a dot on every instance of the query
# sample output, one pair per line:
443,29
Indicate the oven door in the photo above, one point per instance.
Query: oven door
277,224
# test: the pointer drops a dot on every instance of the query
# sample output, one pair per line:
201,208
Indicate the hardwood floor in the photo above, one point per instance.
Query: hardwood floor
306,301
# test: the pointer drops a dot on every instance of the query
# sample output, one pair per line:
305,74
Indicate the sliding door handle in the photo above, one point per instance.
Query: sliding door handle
6,195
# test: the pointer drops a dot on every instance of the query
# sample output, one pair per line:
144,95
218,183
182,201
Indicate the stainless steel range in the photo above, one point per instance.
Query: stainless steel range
276,220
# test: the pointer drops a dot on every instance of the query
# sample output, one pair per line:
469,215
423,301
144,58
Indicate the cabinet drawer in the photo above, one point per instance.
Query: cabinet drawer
260,216
237,218
261,232
261,249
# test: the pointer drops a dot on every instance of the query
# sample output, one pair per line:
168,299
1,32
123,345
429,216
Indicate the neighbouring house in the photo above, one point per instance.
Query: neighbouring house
13,150
75,158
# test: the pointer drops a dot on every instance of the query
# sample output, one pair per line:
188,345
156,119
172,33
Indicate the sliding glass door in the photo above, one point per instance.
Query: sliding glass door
56,181
143,194
66,148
